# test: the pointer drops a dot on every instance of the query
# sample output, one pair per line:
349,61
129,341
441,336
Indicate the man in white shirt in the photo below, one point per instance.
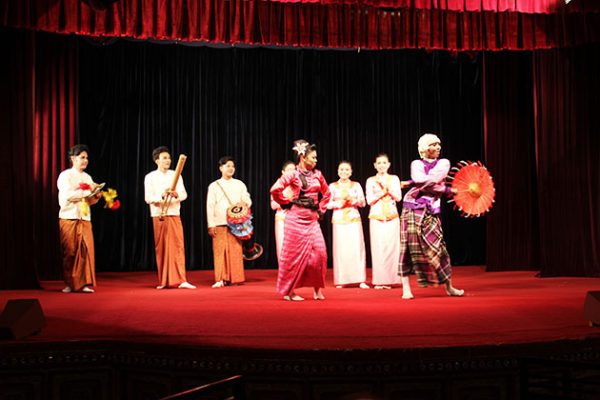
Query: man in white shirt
76,192
227,248
165,208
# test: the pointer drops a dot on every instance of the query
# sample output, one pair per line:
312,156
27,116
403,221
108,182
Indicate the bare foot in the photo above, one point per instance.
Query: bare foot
293,297
452,291
318,294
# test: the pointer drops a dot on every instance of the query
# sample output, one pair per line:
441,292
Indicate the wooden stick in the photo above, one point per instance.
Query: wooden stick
167,201
178,169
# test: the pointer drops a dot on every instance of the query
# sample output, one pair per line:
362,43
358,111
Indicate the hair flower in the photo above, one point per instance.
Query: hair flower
300,148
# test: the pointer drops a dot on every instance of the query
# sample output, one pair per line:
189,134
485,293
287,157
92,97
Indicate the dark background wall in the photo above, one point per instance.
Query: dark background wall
251,104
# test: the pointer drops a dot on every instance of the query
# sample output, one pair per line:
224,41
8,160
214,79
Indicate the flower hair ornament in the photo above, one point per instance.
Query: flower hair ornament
300,148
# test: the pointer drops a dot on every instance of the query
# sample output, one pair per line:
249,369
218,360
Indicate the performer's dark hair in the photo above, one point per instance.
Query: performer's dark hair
309,147
345,162
161,149
381,155
286,163
225,159
78,149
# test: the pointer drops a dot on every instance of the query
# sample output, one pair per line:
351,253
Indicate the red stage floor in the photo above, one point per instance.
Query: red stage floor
499,308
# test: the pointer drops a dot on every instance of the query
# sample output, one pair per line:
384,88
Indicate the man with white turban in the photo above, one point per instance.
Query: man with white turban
422,246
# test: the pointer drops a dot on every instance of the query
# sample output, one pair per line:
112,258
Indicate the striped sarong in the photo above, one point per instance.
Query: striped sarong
303,260
422,247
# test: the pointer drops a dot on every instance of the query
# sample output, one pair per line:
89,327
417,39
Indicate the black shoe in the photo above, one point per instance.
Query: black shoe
253,253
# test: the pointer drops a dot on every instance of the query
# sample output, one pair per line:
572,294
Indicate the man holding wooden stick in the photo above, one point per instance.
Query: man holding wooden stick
164,192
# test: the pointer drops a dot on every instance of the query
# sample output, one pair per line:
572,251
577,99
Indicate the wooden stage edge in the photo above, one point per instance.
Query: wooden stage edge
125,370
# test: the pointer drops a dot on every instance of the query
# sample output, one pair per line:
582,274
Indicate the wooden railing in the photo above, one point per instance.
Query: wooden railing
555,379
231,388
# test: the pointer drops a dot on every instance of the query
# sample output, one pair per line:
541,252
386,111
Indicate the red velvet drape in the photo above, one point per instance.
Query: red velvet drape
451,25
541,129
17,261
39,114
524,6
513,226
55,131
567,126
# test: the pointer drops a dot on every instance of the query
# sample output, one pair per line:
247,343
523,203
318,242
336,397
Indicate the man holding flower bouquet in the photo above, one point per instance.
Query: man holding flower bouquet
76,193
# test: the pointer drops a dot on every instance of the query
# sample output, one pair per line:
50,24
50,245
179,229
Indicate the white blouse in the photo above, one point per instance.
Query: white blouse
155,184
68,188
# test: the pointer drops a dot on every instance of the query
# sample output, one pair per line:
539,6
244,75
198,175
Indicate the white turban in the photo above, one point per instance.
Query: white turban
425,141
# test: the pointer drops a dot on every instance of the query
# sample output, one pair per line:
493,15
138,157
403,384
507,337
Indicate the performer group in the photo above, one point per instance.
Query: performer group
401,245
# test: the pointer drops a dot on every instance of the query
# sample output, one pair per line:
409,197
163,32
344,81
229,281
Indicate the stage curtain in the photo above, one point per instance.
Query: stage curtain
487,25
55,131
567,122
512,240
541,141
39,124
17,260
252,104
525,6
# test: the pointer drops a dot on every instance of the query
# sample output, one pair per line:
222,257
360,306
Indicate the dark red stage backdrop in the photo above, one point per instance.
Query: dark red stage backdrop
567,127
513,226
16,127
39,124
541,130
367,24
540,107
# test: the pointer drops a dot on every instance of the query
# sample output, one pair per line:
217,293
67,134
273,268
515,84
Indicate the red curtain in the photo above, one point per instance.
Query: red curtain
55,131
567,122
525,6
491,25
17,264
512,227
541,131
39,114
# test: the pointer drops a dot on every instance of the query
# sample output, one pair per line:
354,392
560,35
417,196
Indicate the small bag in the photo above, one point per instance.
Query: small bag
239,219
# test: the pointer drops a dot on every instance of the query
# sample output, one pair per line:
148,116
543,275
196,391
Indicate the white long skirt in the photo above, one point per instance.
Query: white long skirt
385,251
349,256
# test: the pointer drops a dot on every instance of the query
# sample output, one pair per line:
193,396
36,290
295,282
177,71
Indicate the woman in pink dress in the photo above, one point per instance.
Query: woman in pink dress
349,259
288,168
303,260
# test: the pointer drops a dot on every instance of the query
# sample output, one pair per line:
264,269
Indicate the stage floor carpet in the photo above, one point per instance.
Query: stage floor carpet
498,308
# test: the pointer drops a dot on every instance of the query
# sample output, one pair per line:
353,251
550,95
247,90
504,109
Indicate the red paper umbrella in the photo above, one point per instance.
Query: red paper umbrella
475,187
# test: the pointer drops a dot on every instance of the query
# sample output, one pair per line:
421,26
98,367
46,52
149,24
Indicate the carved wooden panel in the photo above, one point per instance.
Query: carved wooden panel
414,389
342,390
277,390
21,387
81,384
145,385
482,388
